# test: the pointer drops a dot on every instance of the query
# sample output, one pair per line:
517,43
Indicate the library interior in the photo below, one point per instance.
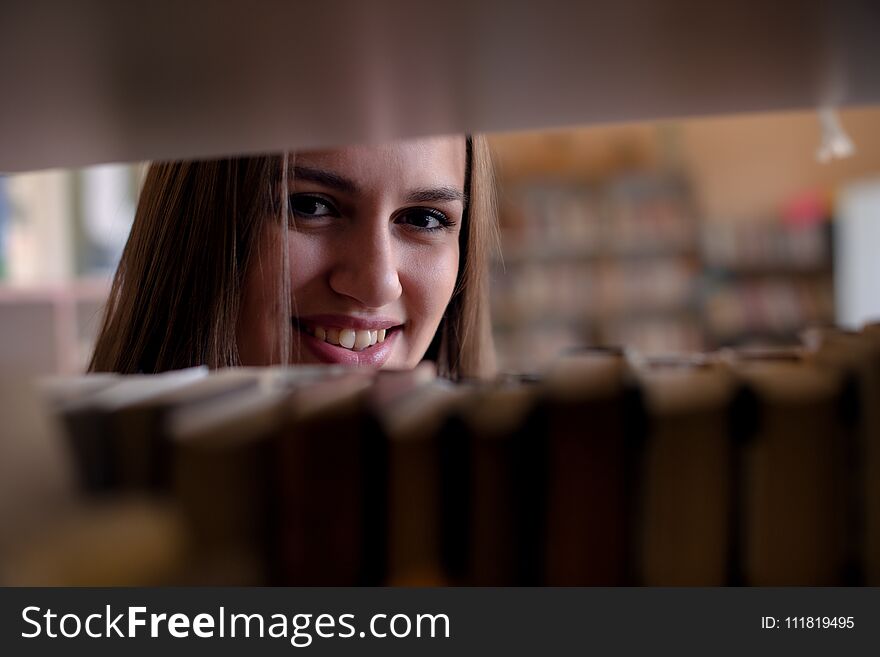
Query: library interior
684,301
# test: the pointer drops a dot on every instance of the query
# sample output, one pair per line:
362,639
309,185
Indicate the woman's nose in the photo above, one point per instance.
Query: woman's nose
366,268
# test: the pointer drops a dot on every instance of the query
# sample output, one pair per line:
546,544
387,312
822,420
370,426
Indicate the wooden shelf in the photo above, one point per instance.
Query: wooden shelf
109,81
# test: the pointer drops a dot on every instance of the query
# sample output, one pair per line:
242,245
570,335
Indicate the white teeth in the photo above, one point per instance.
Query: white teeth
361,340
347,338
353,339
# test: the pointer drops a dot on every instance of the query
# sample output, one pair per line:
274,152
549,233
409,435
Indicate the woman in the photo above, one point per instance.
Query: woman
368,255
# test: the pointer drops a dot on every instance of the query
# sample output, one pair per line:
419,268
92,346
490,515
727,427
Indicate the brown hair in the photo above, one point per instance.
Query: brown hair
176,295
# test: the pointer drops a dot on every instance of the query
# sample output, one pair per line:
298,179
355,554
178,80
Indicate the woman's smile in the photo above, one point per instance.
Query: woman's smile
349,340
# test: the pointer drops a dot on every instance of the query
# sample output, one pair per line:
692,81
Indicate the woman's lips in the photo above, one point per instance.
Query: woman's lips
373,356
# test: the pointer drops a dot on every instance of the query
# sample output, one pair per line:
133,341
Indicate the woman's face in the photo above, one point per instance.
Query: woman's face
373,255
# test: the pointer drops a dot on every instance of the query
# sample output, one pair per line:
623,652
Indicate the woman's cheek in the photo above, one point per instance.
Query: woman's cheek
306,258
431,280
257,324
447,274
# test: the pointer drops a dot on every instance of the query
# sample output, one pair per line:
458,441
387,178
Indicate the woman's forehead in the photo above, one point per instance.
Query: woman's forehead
402,165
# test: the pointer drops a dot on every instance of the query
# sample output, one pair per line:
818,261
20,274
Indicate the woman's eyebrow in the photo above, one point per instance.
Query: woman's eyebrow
436,195
342,184
325,178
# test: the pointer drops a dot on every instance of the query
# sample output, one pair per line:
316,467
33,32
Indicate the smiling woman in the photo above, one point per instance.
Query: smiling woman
367,255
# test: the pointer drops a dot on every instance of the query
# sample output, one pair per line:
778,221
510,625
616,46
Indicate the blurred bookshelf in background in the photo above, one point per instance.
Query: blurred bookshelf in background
765,281
681,237
613,263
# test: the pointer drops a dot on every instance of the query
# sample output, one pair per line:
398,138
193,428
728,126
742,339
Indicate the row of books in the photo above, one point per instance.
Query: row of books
554,219
577,291
746,245
652,215
539,345
592,260
741,467
657,333
769,307
630,216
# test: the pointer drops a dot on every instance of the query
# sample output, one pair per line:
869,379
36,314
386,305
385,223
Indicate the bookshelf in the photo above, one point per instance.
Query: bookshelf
766,280
610,469
698,285
612,262
512,66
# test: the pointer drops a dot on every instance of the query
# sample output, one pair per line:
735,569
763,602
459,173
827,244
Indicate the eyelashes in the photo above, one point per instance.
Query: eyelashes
315,207
307,206
426,219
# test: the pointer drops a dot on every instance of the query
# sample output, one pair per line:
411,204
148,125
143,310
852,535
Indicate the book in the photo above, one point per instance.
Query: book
415,497
92,438
222,475
141,444
793,529
859,354
688,525
493,469
593,419
328,477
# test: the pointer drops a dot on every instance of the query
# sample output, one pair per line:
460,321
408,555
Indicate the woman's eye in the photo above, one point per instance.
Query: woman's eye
426,219
305,205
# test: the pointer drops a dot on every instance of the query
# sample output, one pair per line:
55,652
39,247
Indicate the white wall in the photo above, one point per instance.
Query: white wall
857,254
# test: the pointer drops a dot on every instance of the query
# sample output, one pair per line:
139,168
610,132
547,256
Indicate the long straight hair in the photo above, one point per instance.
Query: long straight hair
176,295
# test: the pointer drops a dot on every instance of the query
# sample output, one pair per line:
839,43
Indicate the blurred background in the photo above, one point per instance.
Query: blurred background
668,237
61,236
683,236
